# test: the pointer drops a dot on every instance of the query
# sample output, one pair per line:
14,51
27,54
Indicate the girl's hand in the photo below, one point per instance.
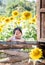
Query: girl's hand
20,40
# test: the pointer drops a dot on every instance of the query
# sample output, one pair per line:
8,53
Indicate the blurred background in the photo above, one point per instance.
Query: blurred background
18,13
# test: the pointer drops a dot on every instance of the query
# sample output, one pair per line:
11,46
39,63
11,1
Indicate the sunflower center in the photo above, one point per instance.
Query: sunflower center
27,14
11,18
15,13
36,53
33,20
0,29
7,20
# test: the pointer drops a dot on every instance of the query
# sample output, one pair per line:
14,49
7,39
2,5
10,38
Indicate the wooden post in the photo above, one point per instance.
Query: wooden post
41,20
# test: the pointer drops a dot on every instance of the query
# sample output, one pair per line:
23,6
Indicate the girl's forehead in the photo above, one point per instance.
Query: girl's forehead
17,31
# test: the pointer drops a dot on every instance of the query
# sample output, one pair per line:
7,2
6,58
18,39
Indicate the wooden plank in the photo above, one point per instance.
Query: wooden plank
17,58
37,63
38,19
17,63
17,45
42,10
43,3
22,63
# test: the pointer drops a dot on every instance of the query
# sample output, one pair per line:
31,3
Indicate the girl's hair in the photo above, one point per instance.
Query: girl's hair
17,28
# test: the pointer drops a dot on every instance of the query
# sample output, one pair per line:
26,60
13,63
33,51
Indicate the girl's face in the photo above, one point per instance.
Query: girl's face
18,34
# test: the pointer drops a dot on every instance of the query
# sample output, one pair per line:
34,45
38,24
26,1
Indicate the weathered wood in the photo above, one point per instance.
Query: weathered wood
15,58
18,63
43,3
38,19
42,10
41,20
37,63
22,63
17,45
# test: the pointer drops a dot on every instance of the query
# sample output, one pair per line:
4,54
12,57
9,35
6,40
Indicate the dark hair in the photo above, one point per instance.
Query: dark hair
17,28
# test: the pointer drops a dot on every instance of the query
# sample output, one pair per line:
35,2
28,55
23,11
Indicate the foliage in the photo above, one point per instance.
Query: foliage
18,13
7,6
23,20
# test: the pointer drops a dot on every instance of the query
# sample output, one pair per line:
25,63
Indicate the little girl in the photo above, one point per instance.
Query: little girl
16,37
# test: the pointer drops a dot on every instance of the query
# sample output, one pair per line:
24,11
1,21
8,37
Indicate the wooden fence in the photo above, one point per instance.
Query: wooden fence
13,54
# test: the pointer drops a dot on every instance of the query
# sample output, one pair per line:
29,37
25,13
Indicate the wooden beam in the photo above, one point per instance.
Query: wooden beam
17,45
42,10
15,58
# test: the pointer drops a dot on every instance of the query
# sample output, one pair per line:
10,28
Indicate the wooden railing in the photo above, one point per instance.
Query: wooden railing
17,44
12,56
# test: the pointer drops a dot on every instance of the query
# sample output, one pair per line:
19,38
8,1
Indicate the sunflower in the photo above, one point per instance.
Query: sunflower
7,20
34,20
35,16
15,13
1,29
0,18
3,18
30,21
1,25
35,53
11,18
26,15
18,22
19,19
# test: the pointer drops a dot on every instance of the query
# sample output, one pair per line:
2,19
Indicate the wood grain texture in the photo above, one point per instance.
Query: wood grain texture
17,45
40,20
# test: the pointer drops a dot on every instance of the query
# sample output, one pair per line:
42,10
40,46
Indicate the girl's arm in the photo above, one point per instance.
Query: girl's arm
9,40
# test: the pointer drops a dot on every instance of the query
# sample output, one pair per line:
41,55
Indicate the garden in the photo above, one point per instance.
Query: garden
18,13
